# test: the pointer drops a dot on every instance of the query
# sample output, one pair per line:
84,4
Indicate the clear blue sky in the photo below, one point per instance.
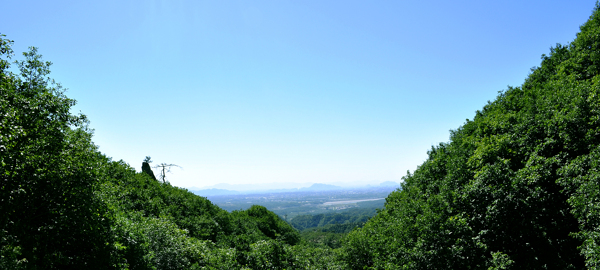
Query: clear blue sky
286,91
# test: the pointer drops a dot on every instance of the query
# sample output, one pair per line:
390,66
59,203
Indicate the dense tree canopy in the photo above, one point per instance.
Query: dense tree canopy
49,216
515,188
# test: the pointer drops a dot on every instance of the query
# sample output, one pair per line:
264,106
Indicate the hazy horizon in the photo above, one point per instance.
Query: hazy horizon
263,92
282,185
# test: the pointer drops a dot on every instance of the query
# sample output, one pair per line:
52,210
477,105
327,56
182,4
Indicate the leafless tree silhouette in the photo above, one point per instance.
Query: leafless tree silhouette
164,169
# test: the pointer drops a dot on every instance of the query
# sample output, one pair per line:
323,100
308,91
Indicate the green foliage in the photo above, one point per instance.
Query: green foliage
49,216
165,227
271,225
270,254
328,230
516,188
9,258
65,205
358,216
156,243
500,261
319,238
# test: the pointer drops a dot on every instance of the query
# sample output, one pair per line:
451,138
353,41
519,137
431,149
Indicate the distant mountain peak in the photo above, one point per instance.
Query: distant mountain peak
390,183
319,187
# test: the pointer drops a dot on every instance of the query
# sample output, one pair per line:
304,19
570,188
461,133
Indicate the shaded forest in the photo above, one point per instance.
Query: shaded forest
516,187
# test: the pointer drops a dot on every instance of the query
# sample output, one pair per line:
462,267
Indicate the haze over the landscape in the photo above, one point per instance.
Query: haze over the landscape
242,92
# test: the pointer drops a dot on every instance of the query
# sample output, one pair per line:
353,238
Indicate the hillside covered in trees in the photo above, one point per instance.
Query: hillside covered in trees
64,205
517,187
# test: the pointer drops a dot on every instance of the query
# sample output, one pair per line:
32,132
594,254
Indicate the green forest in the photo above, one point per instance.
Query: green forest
516,187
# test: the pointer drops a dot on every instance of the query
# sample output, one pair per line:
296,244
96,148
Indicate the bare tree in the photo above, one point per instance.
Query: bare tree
164,169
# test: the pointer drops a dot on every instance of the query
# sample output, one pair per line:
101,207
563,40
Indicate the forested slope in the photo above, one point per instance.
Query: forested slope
64,205
515,188
354,216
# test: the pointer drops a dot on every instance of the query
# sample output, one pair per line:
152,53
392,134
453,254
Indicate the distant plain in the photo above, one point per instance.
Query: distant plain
288,205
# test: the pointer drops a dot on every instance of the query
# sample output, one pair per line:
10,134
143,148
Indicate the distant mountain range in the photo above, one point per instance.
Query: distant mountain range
242,189
390,184
320,187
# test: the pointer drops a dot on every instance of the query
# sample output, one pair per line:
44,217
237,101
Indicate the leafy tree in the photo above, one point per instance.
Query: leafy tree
49,216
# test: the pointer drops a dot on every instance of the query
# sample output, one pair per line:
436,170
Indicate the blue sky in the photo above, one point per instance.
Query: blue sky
244,92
